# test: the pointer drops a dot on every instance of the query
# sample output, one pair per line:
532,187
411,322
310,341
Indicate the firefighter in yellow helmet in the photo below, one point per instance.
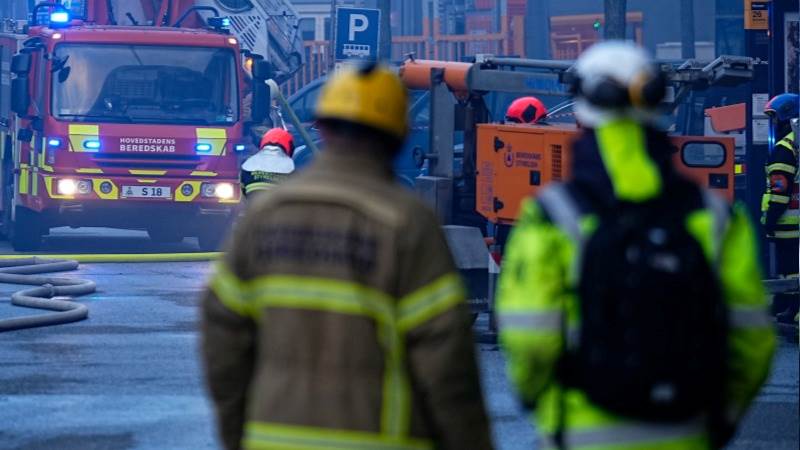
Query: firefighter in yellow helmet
337,318
630,301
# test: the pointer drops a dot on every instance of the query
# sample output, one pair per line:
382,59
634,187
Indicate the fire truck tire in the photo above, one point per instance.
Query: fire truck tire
164,236
25,230
210,239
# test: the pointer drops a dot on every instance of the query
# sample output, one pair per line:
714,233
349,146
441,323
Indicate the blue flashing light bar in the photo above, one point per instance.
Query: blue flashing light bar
59,18
203,148
220,23
91,145
54,142
239,147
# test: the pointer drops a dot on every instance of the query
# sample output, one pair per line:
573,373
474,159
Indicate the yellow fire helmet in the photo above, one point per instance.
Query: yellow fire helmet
370,95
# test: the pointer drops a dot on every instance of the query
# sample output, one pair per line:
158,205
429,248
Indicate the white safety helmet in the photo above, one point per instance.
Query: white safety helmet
614,79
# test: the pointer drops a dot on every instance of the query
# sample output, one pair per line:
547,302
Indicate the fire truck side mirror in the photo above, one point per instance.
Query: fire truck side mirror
20,99
21,64
261,101
262,71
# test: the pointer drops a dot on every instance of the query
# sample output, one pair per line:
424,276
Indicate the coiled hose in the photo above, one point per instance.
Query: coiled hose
50,293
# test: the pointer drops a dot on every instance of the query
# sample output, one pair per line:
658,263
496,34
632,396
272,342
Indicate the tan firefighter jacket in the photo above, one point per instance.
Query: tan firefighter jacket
337,321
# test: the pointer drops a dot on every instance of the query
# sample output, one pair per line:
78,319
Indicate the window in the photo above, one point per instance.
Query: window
703,154
571,35
307,29
730,36
328,29
145,84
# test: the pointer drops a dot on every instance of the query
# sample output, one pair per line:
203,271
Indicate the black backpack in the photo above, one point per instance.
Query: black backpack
652,339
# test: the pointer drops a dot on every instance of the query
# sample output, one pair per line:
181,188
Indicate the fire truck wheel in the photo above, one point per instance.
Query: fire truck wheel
210,239
26,230
164,236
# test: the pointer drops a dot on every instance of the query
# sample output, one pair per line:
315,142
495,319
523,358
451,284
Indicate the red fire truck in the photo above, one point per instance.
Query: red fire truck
133,127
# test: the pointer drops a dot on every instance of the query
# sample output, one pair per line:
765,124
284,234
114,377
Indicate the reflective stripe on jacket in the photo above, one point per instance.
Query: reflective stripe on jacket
779,205
338,321
266,169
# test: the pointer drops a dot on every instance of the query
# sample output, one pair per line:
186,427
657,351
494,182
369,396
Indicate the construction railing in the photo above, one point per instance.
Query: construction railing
450,47
442,47
317,63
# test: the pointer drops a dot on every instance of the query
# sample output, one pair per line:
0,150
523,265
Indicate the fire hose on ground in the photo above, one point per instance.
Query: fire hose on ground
56,294
51,293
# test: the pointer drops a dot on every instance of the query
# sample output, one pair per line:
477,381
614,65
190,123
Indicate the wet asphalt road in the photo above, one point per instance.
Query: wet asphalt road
128,378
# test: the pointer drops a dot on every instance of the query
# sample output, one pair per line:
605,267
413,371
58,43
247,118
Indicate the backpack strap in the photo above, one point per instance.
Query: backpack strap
560,205
562,209
720,211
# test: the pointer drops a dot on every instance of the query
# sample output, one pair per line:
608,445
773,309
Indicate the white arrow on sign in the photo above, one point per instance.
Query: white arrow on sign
358,23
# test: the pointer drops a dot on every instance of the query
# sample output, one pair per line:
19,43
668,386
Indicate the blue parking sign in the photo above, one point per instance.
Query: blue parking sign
357,33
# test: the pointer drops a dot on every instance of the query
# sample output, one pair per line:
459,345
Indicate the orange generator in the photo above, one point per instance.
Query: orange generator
514,161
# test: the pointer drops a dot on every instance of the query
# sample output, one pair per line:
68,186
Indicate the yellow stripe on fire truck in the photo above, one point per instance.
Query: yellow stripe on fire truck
24,175
78,134
216,137
147,172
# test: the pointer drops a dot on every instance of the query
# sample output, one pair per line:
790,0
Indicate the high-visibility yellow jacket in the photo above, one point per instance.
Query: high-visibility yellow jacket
779,205
337,321
536,295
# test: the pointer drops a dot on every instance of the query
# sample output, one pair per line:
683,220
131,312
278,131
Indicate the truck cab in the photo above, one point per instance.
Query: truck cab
128,127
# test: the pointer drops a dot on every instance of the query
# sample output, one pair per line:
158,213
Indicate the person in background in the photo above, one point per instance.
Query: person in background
779,205
271,165
630,302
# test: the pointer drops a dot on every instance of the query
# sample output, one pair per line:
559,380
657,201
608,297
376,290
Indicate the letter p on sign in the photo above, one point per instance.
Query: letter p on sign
358,23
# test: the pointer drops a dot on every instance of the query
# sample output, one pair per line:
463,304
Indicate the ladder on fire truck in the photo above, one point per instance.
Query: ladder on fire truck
265,27
268,28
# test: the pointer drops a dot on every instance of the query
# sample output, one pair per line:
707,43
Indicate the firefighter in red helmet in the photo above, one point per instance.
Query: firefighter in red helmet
526,110
271,165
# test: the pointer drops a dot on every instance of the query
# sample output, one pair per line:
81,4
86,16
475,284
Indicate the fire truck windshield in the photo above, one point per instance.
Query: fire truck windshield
144,84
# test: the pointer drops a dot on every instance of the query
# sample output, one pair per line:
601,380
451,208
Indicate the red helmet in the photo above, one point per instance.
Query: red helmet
279,137
526,110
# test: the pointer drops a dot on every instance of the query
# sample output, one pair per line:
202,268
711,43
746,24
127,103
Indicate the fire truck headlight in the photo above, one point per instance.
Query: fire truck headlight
217,190
224,191
84,186
67,186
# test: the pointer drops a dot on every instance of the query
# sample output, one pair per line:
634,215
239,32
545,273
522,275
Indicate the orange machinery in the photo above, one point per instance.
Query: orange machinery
503,163
515,161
